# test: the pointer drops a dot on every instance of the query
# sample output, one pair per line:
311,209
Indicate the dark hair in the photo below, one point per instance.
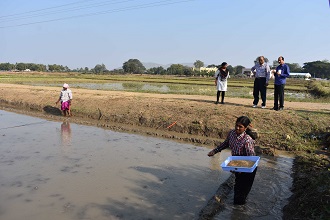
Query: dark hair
223,64
245,121
282,58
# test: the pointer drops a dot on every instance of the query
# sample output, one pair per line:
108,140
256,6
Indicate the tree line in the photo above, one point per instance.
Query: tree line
318,69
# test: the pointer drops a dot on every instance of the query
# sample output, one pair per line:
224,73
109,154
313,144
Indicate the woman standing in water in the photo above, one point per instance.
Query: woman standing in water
66,100
221,76
241,141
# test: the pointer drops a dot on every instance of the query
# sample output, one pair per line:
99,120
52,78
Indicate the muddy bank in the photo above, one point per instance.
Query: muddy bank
188,118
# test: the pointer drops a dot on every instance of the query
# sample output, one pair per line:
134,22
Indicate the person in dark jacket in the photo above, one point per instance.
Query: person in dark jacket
282,72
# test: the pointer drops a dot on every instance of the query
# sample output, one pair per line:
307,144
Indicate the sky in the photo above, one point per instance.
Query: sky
83,34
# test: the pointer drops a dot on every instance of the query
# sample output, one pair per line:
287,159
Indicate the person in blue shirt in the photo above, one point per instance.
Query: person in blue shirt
282,72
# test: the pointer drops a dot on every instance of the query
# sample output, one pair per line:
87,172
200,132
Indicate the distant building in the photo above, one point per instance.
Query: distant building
206,69
247,72
306,76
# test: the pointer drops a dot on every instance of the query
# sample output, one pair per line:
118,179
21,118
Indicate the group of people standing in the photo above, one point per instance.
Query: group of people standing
261,82
241,140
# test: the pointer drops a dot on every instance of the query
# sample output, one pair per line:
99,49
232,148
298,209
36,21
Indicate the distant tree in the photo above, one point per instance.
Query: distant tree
319,69
86,69
231,70
133,66
99,68
20,66
7,66
295,67
157,70
187,71
198,64
211,66
275,64
175,69
237,70
56,68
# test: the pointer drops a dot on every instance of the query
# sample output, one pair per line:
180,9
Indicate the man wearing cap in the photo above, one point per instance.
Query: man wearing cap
66,100
262,76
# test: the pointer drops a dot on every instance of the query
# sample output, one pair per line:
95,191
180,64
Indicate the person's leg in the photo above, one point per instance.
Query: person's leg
223,97
218,96
275,97
263,91
256,91
243,185
281,95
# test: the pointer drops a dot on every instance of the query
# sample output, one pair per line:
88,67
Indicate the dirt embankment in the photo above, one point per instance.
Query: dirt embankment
185,117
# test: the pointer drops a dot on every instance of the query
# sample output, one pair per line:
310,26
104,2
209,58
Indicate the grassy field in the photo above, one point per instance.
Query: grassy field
296,89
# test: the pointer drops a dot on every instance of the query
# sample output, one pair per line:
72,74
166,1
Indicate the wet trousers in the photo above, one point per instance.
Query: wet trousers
243,185
259,86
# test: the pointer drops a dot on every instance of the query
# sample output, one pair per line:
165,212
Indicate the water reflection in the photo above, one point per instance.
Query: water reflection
66,134
171,88
112,175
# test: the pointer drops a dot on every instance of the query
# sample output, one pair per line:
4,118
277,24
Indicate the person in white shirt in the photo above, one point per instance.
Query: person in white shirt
262,76
66,100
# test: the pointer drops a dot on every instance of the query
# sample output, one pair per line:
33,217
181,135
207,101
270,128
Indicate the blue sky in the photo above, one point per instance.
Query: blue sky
178,31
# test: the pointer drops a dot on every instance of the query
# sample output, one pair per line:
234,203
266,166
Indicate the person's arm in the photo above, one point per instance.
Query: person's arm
70,97
216,76
253,68
267,74
218,149
59,98
286,71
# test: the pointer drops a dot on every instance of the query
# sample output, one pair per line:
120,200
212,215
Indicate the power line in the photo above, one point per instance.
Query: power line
135,7
59,6
45,11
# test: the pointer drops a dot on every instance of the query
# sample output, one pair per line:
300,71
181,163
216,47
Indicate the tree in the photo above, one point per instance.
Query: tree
99,68
295,67
211,66
198,64
7,66
319,69
230,69
275,64
175,69
20,66
56,68
237,70
157,70
133,66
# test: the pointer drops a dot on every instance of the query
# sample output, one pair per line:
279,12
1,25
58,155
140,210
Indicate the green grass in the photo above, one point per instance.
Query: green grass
237,87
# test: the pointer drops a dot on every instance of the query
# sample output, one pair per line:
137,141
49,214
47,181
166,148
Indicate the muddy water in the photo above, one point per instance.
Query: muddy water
61,170
165,88
269,193
51,170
